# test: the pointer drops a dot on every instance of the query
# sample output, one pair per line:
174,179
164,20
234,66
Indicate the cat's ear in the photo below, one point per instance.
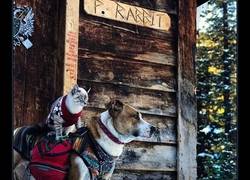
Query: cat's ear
76,86
74,89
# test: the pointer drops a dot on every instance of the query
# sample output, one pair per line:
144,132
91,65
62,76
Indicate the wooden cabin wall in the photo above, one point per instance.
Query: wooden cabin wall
187,108
137,65
38,71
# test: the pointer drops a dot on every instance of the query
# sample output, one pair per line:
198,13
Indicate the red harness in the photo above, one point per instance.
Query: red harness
49,161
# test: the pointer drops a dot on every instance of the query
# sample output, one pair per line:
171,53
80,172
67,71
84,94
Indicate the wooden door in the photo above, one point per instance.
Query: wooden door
38,71
137,65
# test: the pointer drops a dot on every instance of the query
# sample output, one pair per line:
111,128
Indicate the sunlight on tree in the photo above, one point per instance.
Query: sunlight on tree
216,91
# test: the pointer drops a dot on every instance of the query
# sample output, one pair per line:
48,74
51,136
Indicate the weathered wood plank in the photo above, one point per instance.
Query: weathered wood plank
167,125
32,93
120,60
18,92
187,114
131,14
170,35
133,74
143,175
146,156
159,103
96,37
71,45
97,54
157,5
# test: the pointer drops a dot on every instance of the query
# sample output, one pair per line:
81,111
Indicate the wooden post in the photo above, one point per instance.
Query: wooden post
71,44
187,114
38,71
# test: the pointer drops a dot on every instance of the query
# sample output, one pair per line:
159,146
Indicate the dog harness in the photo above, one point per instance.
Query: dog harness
96,159
49,159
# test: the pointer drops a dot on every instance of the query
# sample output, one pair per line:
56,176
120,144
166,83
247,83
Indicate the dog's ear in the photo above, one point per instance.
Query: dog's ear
115,107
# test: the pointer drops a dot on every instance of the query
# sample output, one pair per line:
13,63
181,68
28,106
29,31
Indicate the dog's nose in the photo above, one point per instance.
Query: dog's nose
152,130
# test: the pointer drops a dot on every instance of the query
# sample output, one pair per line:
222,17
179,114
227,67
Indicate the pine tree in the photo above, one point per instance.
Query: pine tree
216,79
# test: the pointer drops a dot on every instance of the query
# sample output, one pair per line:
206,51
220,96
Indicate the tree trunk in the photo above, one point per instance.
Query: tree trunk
227,69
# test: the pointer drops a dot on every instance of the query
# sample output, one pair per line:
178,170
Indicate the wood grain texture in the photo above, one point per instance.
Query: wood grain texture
71,45
146,156
187,114
127,13
157,5
133,29
102,69
166,125
138,66
96,37
150,102
142,175
36,70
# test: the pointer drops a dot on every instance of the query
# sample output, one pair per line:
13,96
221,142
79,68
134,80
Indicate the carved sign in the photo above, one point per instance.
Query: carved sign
126,13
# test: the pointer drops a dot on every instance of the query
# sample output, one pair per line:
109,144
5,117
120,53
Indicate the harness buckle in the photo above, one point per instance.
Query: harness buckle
101,166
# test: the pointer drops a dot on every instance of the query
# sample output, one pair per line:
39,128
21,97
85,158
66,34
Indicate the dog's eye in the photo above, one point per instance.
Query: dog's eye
136,116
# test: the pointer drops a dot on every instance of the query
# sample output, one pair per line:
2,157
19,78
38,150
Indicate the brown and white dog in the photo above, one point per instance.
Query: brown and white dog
118,125
115,127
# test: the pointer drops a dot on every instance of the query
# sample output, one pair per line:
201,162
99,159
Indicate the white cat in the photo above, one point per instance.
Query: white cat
66,111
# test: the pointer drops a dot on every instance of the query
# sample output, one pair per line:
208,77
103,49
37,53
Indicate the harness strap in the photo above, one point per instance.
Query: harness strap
44,165
97,159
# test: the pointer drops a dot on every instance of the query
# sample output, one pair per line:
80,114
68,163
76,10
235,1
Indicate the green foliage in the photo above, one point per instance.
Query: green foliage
216,81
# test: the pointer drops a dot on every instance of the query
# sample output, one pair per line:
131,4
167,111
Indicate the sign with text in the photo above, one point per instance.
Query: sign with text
127,13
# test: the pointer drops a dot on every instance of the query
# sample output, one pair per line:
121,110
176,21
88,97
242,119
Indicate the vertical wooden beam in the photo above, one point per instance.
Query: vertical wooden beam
71,44
187,114
49,68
